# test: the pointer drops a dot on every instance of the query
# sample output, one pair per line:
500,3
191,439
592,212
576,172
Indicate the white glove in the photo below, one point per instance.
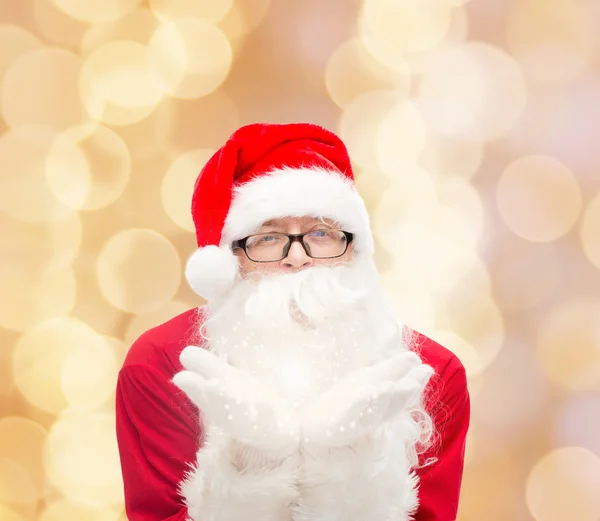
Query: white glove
363,401
237,402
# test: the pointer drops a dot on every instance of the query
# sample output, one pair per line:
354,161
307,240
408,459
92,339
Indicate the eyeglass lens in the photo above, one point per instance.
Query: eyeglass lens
320,244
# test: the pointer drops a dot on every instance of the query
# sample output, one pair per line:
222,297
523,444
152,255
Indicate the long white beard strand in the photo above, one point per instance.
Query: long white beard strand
302,331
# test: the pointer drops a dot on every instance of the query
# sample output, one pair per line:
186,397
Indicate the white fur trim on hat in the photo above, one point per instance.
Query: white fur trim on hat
299,192
211,271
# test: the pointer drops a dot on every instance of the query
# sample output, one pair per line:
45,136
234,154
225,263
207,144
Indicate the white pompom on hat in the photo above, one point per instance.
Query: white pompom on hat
263,172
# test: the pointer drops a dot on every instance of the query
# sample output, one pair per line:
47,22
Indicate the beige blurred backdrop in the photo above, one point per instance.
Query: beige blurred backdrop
474,128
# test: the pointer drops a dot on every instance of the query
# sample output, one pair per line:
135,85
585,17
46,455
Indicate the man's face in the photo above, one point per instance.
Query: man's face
297,258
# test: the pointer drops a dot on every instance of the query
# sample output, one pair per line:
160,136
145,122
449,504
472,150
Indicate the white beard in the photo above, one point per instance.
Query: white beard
302,331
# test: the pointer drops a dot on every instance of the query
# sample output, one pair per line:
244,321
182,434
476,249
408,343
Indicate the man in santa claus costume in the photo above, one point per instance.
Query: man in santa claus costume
294,394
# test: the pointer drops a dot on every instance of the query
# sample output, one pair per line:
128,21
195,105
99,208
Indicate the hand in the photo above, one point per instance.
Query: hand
237,402
364,400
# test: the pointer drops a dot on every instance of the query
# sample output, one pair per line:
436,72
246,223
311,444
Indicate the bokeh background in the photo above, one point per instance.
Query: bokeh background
474,128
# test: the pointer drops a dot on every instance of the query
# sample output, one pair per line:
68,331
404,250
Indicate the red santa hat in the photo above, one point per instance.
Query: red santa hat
267,171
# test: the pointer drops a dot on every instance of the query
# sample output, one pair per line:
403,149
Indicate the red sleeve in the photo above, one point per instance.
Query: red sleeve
158,433
440,482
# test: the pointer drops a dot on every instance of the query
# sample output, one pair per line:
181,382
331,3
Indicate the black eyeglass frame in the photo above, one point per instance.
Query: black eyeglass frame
292,238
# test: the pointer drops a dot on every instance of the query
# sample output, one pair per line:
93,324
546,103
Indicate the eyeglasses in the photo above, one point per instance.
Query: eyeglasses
274,246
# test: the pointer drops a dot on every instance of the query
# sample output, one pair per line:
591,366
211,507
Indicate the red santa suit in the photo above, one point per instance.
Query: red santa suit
158,428
265,172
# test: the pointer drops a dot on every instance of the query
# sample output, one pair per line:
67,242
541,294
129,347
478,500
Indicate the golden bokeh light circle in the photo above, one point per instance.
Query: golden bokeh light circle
88,167
39,357
178,184
472,91
243,18
393,27
36,295
553,41
116,84
463,349
82,459
472,314
443,155
137,26
360,123
8,514
590,231
143,322
213,10
401,138
539,198
58,105
14,42
190,57
351,72
568,345
89,373
526,273
24,192
21,463
138,270
97,11
564,484
64,509
55,25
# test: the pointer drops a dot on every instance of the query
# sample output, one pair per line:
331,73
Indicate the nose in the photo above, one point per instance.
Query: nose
296,258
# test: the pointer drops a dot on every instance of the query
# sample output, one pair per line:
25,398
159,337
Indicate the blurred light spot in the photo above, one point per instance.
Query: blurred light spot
539,198
401,138
443,155
24,193
525,273
14,42
553,41
116,84
138,26
413,306
145,321
55,25
35,247
464,350
472,314
71,510
409,191
180,125
36,296
82,459
39,357
7,514
359,125
138,270
89,373
351,72
430,242
243,17
119,350
493,477
21,472
97,11
513,409
190,57
58,104
213,10
393,27
590,231
178,185
564,484
568,345
472,91
578,423
88,167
